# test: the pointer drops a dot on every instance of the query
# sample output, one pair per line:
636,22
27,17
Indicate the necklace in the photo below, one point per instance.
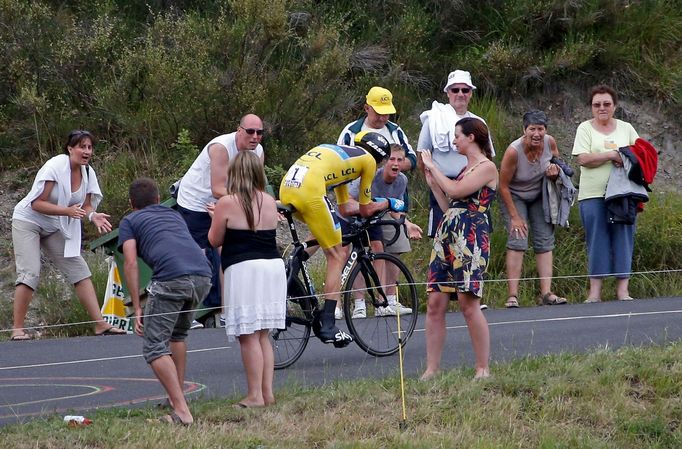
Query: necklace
533,156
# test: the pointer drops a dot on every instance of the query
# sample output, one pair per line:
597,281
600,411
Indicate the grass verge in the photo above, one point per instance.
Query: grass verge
629,398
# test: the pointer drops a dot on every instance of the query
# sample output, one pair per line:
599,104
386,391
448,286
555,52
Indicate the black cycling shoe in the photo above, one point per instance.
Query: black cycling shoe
325,329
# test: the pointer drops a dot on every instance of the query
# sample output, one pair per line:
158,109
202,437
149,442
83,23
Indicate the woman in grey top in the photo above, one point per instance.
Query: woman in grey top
524,165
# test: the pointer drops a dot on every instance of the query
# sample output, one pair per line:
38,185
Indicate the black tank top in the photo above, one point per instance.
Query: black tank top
243,244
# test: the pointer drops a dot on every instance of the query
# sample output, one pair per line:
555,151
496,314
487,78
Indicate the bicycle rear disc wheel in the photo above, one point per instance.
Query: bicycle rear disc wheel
288,344
377,331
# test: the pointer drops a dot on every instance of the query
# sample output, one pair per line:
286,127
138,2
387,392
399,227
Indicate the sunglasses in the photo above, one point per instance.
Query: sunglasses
455,90
77,134
606,104
251,131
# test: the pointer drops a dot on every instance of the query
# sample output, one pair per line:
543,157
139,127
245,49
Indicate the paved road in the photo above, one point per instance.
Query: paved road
77,374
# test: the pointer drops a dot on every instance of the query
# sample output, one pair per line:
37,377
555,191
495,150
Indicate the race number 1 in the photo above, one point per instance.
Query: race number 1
295,175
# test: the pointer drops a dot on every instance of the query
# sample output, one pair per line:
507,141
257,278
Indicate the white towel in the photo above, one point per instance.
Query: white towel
442,119
58,169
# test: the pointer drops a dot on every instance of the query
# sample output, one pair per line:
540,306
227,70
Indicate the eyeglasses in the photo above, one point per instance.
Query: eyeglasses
455,90
250,131
606,104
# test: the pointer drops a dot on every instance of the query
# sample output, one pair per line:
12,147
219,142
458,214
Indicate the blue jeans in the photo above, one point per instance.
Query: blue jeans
609,246
198,224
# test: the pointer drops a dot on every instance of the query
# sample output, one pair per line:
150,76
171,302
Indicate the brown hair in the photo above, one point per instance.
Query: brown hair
76,137
398,147
245,178
604,89
143,192
471,125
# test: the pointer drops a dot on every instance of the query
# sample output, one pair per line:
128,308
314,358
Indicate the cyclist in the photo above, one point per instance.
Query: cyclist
331,167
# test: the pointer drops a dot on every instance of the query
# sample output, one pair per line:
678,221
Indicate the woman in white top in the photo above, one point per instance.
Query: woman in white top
48,219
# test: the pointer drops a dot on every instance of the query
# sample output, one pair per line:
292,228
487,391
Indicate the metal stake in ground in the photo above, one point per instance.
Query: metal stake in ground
403,422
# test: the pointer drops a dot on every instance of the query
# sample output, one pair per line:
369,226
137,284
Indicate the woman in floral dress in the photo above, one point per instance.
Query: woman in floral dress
461,246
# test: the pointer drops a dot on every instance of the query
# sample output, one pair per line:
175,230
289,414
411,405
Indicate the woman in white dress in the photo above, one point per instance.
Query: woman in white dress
244,223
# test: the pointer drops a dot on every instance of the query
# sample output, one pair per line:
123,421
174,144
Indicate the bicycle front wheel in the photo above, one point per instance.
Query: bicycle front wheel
375,329
288,343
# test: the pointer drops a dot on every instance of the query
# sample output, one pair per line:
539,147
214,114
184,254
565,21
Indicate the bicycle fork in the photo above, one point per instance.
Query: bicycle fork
372,282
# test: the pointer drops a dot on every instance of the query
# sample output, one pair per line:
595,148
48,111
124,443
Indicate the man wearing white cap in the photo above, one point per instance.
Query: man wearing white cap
438,133
378,106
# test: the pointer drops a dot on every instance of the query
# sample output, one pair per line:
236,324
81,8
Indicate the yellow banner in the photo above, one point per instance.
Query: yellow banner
113,308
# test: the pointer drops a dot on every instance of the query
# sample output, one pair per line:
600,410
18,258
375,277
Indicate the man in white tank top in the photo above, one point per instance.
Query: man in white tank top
205,182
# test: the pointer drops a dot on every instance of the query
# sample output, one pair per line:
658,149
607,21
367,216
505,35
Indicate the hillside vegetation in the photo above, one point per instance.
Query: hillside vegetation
139,73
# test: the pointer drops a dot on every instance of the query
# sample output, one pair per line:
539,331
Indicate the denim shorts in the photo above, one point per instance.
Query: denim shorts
169,312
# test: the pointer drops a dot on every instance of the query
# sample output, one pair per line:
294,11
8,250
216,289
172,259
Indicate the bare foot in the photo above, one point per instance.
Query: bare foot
482,373
249,403
428,375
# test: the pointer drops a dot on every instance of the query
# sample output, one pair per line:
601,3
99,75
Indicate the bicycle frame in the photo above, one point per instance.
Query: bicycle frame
295,261
363,255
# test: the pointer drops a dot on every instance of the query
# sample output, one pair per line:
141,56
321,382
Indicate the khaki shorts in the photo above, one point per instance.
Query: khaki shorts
401,245
29,239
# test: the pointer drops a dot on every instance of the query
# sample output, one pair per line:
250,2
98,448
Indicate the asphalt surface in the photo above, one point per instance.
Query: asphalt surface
75,375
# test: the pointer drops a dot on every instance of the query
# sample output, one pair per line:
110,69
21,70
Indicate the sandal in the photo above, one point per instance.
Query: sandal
551,299
21,337
512,302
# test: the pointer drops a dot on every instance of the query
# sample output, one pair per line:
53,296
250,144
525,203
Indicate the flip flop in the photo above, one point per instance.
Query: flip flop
21,337
112,331
552,299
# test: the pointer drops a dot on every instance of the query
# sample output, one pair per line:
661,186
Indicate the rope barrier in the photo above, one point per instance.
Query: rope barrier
342,292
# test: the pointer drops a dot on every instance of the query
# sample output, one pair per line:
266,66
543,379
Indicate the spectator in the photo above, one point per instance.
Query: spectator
462,244
438,131
181,279
378,107
525,164
244,223
388,182
48,219
204,183
609,245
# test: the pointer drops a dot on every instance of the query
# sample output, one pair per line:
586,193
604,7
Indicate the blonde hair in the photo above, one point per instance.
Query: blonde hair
245,178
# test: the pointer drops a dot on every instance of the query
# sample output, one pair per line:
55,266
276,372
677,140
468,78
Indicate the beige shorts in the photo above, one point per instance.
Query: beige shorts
401,245
29,239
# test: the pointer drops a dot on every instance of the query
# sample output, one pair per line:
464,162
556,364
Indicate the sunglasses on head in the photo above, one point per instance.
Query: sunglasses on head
250,131
455,90
606,104
78,133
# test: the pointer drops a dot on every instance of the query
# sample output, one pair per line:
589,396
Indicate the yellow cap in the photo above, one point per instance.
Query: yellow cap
381,100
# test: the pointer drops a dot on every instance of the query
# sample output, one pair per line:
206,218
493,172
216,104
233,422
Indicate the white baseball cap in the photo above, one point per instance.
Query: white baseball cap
458,77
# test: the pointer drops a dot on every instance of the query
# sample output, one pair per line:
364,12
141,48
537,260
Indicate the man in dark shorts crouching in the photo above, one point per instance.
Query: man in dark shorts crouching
181,278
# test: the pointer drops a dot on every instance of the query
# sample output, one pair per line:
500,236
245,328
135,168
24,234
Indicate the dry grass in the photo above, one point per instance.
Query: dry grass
624,399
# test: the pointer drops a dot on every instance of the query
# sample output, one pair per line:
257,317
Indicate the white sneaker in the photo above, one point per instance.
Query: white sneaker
221,321
392,310
484,307
338,314
359,313
196,325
